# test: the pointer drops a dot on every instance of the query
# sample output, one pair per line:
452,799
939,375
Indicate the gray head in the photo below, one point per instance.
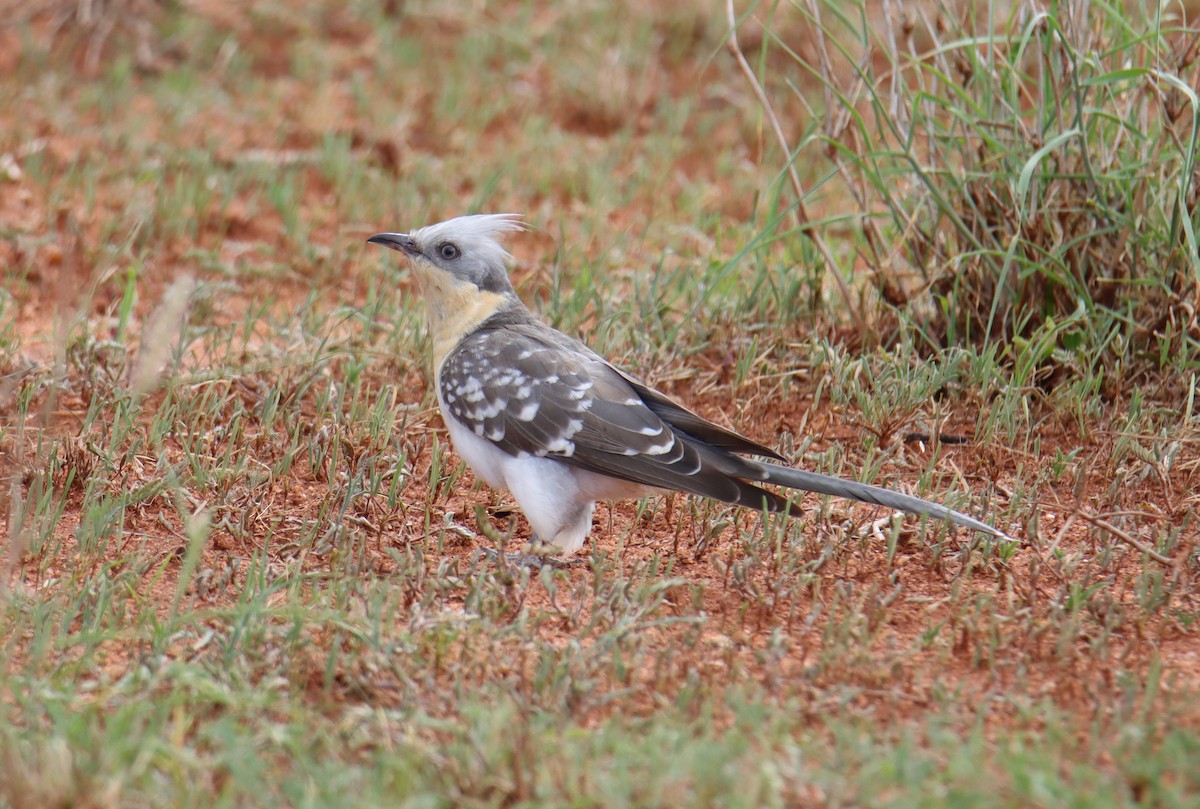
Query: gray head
465,248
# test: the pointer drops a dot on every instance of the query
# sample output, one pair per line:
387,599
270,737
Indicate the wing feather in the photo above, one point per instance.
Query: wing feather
529,389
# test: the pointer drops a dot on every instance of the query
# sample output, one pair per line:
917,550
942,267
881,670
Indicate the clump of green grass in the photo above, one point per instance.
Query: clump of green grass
1015,172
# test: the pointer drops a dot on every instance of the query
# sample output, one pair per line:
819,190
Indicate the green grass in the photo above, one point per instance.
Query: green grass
238,562
1014,174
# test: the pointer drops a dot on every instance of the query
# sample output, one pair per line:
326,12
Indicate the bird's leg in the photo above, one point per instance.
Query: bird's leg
535,554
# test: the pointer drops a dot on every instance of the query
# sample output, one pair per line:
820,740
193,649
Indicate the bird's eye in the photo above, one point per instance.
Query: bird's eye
448,251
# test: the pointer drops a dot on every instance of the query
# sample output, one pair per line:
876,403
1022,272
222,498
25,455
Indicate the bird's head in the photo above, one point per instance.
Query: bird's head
464,249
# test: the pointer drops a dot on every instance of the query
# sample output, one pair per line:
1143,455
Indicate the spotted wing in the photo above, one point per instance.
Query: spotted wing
533,391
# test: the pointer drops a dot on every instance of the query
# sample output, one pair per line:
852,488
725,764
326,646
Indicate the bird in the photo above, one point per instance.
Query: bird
538,414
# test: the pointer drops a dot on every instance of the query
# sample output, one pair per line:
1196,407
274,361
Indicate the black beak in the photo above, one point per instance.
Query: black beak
397,241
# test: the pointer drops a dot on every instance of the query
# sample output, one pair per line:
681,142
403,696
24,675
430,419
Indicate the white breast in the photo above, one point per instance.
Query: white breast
484,457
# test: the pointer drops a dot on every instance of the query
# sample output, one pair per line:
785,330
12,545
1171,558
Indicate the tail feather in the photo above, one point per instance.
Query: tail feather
866,493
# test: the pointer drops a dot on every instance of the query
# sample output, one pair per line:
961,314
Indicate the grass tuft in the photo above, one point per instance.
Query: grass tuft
1017,173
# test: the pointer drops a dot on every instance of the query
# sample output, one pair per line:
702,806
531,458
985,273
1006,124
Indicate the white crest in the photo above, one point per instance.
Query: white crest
475,235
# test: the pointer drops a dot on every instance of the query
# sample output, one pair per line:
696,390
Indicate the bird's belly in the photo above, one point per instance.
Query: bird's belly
494,466
595,486
485,458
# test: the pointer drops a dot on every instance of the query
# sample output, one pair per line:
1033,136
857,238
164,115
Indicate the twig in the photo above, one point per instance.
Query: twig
1126,538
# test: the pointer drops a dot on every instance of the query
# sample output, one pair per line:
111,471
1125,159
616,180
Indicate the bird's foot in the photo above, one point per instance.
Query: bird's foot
534,555
515,559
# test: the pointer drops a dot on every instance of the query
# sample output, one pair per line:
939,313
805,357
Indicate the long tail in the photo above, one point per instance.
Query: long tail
837,487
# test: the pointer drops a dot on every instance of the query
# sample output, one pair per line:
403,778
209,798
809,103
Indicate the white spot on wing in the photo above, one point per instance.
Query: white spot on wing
663,447
491,411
